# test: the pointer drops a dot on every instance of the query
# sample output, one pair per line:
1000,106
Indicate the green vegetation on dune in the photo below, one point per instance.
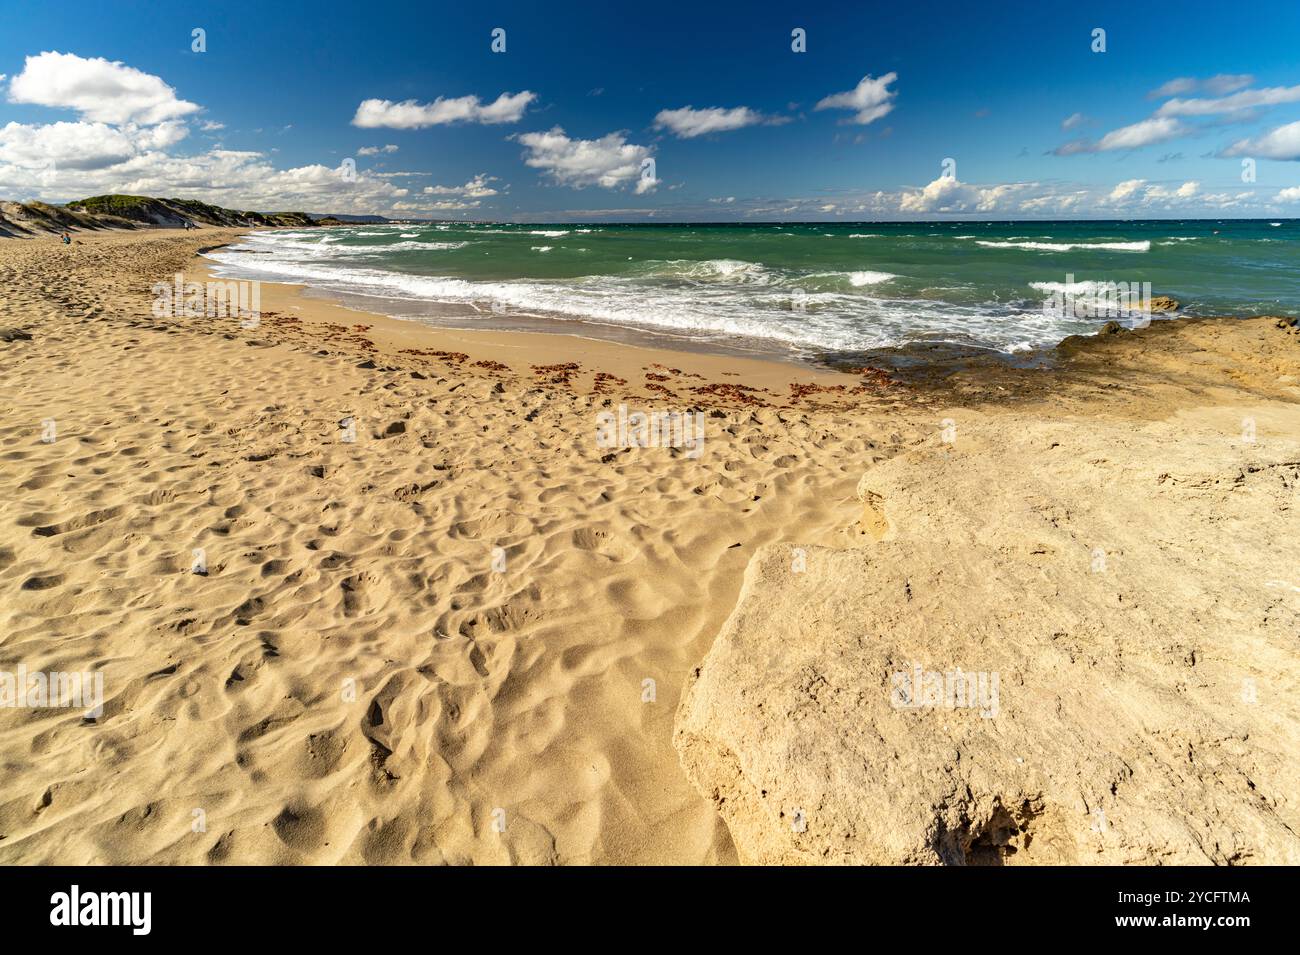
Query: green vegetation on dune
118,210
126,207
29,218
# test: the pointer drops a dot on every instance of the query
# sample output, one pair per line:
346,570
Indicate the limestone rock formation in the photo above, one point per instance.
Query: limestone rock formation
1080,647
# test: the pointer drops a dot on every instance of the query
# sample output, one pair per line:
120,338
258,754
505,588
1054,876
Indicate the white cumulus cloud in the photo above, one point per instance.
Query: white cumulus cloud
689,122
1157,129
476,188
870,99
608,162
1246,99
1145,133
506,108
100,90
1216,85
64,146
1126,189
948,194
82,146
1280,143
1186,191
157,137
130,121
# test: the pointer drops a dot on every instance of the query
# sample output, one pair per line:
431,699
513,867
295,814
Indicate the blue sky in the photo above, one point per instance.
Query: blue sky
561,124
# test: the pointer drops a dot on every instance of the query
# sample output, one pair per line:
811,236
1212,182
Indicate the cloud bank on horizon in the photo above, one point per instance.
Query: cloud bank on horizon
879,143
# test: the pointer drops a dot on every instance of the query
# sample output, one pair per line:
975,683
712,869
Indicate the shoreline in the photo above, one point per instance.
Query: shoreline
924,375
920,361
460,317
523,349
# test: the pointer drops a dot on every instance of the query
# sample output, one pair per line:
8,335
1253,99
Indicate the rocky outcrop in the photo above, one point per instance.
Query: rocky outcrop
1073,643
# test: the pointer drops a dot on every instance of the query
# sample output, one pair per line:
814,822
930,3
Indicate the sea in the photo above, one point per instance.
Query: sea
801,290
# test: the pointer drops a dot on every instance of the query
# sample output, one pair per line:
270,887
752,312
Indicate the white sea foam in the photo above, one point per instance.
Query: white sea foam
858,279
284,245
1071,288
542,248
1143,246
431,246
711,271
726,268
1094,299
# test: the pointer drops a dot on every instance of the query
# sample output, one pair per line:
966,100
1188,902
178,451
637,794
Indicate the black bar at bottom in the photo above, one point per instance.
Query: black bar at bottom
335,905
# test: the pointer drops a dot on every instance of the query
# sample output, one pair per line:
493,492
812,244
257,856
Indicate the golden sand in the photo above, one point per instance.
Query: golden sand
462,636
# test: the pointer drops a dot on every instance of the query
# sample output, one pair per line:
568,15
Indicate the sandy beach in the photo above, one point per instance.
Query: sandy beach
434,620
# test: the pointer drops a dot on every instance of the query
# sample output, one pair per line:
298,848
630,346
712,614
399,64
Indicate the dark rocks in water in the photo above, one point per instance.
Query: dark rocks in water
1162,303
930,358
1072,344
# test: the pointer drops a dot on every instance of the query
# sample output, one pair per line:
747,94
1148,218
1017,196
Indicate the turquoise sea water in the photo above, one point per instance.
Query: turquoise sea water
802,288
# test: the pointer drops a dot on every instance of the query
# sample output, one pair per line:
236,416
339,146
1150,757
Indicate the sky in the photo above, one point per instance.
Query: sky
660,111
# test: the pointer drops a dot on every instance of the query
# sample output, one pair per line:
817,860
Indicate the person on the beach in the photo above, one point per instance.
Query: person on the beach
67,239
